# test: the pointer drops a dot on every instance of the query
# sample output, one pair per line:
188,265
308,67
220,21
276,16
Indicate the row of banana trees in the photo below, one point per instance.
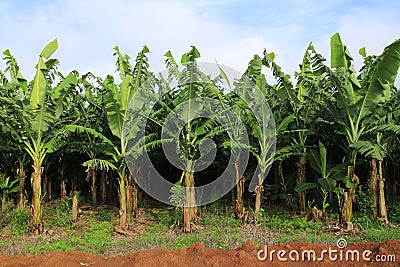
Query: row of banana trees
331,125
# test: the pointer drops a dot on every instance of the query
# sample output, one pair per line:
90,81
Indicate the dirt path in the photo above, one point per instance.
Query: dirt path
198,255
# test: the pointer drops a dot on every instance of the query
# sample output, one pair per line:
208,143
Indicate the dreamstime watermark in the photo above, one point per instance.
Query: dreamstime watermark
182,107
338,253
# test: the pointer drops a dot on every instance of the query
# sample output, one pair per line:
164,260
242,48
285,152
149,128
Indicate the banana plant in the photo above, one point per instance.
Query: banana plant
304,102
357,98
376,151
265,125
193,85
8,187
46,105
14,115
39,105
116,99
328,181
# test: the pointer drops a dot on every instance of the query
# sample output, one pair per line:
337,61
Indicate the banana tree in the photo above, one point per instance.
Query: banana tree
90,110
40,105
116,100
356,98
194,88
376,150
46,106
264,123
8,187
304,102
13,116
329,176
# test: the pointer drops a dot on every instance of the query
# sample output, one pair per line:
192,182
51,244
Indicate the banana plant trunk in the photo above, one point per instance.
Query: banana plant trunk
103,188
189,209
301,178
73,186
44,186
4,197
135,204
63,189
123,218
374,186
347,211
259,190
37,208
49,190
239,203
382,201
93,189
131,196
3,201
74,208
21,195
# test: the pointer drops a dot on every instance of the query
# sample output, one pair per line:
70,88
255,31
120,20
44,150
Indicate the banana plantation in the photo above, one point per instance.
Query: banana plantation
336,137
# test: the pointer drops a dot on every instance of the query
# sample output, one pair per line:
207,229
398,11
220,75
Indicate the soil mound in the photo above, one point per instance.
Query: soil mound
295,254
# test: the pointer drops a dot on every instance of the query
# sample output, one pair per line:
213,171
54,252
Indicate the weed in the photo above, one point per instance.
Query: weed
106,215
19,221
58,213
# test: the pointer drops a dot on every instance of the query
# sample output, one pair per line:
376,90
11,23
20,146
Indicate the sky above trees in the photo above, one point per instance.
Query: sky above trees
227,31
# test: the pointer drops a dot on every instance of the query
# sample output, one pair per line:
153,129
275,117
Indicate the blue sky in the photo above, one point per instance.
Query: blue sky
228,31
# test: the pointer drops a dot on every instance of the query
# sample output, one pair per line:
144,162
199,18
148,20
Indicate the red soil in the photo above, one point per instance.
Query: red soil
199,255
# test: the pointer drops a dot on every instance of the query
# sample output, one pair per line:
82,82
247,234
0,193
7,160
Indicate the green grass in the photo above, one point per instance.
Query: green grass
216,228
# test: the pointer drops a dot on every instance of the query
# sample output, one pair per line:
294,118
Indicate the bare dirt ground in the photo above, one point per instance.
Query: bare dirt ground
384,254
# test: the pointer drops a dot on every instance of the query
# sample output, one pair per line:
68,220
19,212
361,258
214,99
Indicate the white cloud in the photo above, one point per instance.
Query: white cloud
88,30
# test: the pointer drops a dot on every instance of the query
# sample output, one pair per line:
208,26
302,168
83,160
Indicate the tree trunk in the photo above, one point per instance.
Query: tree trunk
103,188
259,190
140,194
123,220
3,201
131,196
93,189
382,202
189,209
21,195
36,208
74,209
49,190
347,211
239,205
74,182
374,186
301,178
63,192
128,192
45,187
135,205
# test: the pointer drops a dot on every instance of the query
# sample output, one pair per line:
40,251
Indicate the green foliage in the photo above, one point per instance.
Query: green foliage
394,212
332,117
106,215
364,200
19,221
59,213
95,239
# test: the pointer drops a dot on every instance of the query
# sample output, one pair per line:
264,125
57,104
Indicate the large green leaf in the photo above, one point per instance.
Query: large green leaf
49,49
327,184
305,186
341,59
90,131
115,114
39,85
384,76
190,56
62,90
125,88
